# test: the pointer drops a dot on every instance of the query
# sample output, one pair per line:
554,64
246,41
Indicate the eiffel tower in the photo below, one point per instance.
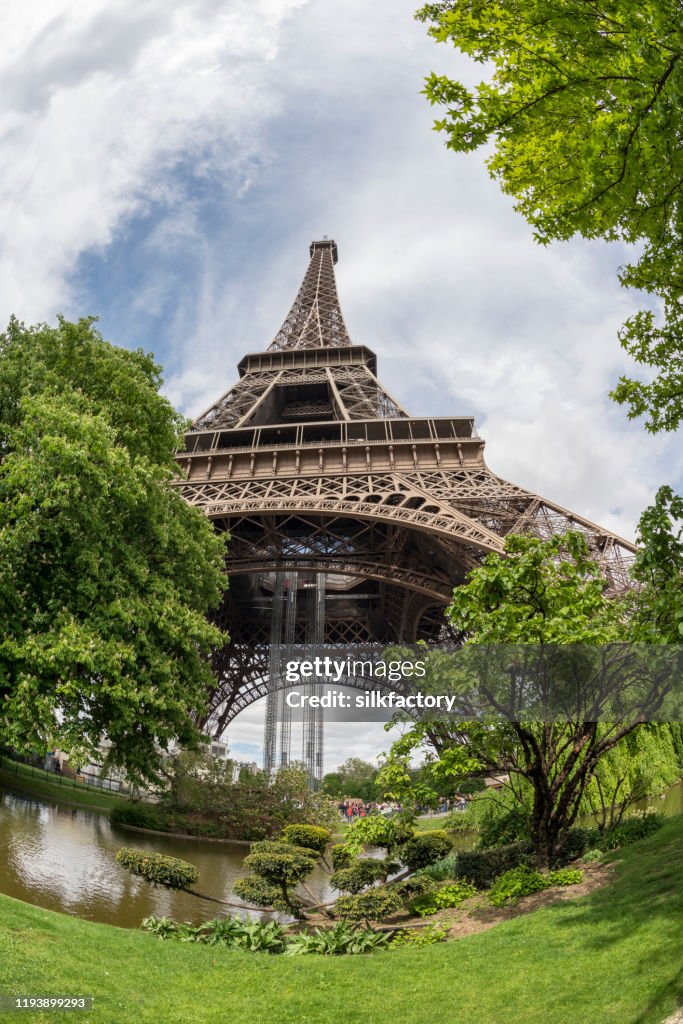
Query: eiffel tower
350,520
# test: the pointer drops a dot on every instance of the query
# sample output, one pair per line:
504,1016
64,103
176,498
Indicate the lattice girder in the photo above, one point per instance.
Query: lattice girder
314,468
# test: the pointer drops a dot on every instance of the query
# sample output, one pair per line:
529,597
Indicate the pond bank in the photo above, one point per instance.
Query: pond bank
611,955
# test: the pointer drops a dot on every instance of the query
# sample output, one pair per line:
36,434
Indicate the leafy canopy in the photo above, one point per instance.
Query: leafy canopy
583,108
106,574
539,593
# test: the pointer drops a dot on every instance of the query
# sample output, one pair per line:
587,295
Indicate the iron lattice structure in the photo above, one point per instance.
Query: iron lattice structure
350,520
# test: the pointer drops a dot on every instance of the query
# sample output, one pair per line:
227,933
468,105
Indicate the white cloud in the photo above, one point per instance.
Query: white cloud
366,740
437,272
98,104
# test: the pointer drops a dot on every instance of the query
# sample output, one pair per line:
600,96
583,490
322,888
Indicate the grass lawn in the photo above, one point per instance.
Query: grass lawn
429,824
613,957
18,776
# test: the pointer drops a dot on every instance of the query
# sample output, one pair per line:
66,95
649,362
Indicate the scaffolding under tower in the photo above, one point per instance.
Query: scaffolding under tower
298,601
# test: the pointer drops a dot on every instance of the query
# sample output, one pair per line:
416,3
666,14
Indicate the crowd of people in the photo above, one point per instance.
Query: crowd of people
351,808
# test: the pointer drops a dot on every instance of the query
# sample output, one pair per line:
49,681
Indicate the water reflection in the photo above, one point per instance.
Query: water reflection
63,858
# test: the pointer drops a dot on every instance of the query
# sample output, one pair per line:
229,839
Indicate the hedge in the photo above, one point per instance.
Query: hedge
425,848
313,837
157,868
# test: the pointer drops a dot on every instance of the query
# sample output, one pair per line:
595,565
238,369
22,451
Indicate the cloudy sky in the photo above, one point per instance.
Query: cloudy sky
167,162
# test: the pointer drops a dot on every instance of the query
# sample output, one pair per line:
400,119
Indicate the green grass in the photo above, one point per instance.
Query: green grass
14,775
430,824
614,957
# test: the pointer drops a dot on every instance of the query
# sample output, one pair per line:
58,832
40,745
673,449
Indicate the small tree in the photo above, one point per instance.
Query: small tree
540,593
276,867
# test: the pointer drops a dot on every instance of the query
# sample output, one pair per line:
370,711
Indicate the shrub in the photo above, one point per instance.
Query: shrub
255,936
374,905
498,815
258,891
441,869
313,837
280,862
163,927
631,830
505,827
359,875
260,937
515,883
377,830
578,841
418,885
425,848
157,868
564,876
592,855
482,867
141,816
419,936
342,940
450,895
463,821
276,866
341,857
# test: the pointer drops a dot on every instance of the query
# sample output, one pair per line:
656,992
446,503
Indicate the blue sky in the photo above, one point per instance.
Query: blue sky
167,162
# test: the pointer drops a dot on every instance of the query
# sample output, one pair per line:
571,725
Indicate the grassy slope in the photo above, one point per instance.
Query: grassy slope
19,777
614,957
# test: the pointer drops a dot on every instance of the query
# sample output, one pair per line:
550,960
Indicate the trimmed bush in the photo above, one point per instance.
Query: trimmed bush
280,865
258,891
359,875
158,869
341,857
482,867
313,837
425,848
374,905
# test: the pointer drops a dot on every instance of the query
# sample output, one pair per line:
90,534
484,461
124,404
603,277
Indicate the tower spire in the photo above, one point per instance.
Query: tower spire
315,319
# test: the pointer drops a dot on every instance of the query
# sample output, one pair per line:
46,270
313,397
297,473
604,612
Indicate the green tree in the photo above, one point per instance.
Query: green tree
539,593
582,115
658,570
106,574
353,778
643,764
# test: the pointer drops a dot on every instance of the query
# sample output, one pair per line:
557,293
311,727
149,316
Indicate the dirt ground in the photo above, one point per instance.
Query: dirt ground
477,914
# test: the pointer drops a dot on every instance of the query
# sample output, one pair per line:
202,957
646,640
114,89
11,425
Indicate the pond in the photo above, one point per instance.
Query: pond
62,858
